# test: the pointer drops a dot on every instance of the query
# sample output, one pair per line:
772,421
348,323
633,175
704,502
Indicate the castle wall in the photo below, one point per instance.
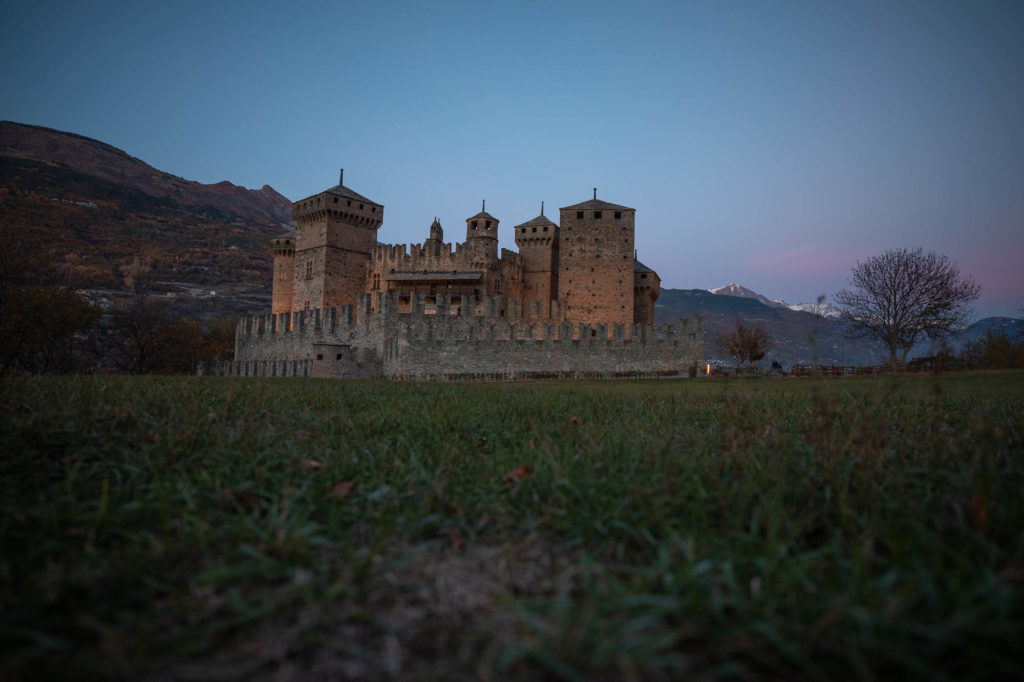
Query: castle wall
357,343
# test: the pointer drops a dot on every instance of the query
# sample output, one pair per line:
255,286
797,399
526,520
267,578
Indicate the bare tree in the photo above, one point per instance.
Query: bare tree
746,344
902,295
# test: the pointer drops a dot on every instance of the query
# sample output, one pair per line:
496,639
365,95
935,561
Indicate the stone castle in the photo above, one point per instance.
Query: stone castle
573,301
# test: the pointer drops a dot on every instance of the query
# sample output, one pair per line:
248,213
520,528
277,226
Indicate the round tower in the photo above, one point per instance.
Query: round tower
482,235
283,249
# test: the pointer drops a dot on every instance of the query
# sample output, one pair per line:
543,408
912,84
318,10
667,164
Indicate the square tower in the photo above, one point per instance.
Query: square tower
595,264
336,231
537,240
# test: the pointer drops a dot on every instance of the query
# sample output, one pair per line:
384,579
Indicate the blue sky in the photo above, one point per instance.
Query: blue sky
768,143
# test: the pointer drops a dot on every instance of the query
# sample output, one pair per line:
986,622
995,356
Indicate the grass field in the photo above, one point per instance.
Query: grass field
295,529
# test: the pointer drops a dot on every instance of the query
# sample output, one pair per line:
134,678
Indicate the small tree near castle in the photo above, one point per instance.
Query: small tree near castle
748,344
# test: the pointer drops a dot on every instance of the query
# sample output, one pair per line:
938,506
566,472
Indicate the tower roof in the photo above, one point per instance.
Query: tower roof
346,193
541,220
482,214
640,267
596,205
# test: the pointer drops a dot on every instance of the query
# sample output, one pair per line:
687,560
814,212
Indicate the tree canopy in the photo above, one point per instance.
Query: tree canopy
903,295
747,344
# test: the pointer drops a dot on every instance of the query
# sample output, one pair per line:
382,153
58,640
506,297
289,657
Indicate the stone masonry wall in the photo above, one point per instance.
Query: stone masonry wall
353,342
595,267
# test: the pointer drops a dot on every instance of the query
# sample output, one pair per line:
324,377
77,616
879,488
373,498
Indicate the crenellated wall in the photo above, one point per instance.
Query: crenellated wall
373,339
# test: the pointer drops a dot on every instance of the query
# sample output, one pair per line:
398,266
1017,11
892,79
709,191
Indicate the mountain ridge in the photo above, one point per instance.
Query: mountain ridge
100,159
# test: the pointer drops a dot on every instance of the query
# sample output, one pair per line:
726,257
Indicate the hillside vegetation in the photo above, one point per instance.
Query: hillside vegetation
219,528
90,216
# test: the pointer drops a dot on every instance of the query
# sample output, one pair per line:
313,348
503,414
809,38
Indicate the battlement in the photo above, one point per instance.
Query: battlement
374,339
416,256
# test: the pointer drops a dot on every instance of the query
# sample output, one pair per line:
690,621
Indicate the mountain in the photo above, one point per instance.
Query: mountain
1013,328
98,159
90,215
799,336
826,309
741,291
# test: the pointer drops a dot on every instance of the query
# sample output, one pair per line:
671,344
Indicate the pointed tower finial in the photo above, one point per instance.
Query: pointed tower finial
483,205
595,192
542,208
341,177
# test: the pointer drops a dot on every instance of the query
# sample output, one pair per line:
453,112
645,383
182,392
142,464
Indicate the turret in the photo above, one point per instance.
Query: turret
537,240
482,235
283,250
433,244
436,233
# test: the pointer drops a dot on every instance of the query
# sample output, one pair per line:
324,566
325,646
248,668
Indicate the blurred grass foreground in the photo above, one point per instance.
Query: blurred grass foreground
226,529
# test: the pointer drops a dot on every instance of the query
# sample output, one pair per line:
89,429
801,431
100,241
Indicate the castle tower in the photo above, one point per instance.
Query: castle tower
482,236
537,240
595,266
283,250
433,244
336,233
646,290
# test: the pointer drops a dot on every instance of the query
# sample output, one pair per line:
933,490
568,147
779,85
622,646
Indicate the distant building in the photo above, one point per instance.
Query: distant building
341,299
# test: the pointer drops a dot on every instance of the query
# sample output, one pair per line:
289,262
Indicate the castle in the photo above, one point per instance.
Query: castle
573,301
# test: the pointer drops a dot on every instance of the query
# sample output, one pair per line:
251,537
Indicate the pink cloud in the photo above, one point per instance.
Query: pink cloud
807,260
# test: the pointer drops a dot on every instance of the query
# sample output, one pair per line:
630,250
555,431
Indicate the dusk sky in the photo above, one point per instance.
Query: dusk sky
767,143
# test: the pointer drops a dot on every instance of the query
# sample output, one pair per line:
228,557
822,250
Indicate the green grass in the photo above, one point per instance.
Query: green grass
221,528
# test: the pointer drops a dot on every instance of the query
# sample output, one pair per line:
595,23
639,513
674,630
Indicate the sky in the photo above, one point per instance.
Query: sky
773,144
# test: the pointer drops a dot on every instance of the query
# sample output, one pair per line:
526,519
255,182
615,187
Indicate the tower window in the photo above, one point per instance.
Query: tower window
348,202
579,214
309,269
373,210
597,214
335,199
534,229
545,229
360,207
473,224
618,215
487,224
523,230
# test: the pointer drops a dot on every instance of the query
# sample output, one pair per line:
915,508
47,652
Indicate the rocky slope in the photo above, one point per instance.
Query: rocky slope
98,159
92,216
